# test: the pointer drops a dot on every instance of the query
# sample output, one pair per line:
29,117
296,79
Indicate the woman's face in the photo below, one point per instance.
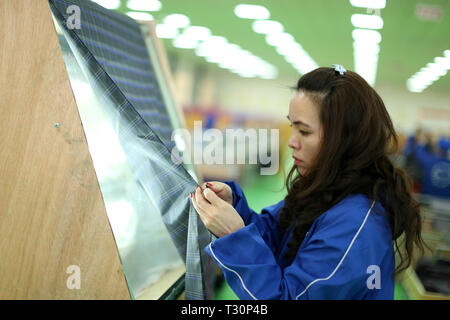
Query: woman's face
306,135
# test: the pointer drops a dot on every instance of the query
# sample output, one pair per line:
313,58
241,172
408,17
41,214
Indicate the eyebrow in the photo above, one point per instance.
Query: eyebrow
298,122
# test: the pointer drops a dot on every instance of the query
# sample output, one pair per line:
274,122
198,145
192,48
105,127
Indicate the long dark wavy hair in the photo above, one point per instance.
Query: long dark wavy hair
358,137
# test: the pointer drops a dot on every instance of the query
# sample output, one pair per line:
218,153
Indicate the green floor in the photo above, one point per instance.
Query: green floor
263,191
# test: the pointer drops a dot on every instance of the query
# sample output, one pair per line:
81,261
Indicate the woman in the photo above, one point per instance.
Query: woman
347,207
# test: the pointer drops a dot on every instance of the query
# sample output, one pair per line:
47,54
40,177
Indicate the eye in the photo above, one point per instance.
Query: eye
304,133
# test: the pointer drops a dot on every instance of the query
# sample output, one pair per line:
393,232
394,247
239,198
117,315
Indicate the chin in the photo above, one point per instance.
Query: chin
301,171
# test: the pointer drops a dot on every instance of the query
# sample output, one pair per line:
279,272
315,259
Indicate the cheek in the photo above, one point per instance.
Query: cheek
316,147
311,147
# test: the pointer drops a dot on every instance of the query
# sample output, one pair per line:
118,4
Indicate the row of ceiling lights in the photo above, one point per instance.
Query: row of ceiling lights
366,42
283,42
366,48
366,38
213,48
430,73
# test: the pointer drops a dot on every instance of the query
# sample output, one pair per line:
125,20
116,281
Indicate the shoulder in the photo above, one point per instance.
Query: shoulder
352,208
356,215
275,208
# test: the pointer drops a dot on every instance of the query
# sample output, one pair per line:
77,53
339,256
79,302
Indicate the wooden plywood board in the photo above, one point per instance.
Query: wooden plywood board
52,213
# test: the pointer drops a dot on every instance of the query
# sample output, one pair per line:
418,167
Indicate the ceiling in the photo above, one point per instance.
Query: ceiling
324,30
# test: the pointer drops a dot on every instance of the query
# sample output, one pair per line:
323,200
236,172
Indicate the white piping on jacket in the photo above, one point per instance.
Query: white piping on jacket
314,281
345,254
242,281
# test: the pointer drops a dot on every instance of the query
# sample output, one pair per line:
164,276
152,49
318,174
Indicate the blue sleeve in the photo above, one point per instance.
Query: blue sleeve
324,267
266,222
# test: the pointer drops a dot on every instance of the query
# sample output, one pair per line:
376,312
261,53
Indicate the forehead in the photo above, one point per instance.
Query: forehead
303,108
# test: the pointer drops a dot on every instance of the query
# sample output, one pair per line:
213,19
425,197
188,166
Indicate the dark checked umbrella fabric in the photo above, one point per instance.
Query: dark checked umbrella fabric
112,52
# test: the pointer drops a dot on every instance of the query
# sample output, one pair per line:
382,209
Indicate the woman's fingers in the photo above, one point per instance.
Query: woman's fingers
212,197
209,185
201,213
220,189
201,201
221,224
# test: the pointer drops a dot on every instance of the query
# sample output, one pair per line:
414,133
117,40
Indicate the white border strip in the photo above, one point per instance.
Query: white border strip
345,254
242,281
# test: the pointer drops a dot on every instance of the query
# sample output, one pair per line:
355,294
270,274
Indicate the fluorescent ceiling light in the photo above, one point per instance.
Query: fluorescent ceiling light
287,46
368,21
197,32
184,42
267,26
141,16
373,4
279,39
217,49
108,4
228,64
242,62
214,58
177,20
434,70
165,31
362,35
429,74
248,11
290,49
284,43
366,47
244,74
144,5
442,62
366,59
233,48
212,46
284,51
215,41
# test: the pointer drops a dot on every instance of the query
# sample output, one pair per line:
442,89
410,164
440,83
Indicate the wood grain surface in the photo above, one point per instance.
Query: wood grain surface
52,213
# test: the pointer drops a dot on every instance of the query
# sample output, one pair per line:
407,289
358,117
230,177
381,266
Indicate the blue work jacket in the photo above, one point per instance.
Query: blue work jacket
346,254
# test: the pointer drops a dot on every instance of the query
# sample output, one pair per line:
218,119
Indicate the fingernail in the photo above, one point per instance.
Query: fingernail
209,184
190,194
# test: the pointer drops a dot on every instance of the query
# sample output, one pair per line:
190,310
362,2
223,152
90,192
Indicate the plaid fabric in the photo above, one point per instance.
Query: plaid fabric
114,57
116,42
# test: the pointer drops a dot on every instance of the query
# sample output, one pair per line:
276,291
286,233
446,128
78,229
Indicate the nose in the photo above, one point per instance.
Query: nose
293,143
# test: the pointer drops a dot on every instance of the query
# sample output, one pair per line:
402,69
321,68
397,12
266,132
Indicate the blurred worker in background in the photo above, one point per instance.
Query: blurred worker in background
428,164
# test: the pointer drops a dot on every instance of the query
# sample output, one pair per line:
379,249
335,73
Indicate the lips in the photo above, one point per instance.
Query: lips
297,161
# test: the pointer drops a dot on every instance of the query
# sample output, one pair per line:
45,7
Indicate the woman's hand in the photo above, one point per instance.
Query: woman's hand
221,189
217,215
